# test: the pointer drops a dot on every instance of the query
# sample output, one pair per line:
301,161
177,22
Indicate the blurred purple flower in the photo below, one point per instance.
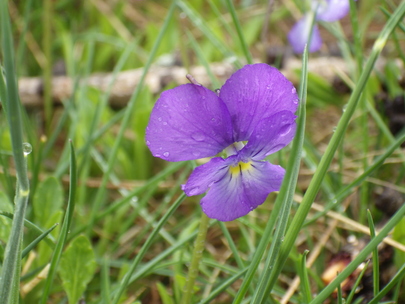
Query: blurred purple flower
251,118
324,10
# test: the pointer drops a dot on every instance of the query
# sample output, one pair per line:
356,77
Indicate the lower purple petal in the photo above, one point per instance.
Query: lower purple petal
299,36
207,174
234,196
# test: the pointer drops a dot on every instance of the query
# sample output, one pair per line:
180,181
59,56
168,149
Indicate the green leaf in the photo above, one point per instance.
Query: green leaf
48,200
77,267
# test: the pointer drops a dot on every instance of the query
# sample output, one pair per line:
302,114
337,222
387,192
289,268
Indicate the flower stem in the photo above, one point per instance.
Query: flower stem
195,260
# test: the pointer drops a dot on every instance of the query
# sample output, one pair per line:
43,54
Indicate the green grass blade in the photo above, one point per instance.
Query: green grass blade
222,287
200,24
238,27
376,267
328,290
37,240
395,280
357,181
326,160
105,282
126,280
65,227
10,272
287,190
305,284
34,228
128,114
356,284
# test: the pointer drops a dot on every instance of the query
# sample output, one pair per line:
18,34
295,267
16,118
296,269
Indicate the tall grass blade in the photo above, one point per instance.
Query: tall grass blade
238,27
10,272
328,290
65,227
326,160
127,116
126,280
282,204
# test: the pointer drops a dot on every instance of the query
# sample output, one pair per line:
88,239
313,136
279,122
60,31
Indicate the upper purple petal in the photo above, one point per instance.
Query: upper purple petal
299,36
254,92
188,122
235,196
332,10
271,134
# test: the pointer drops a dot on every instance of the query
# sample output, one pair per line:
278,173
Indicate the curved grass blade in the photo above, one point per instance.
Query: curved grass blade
376,266
326,160
238,27
126,120
37,240
356,284
305,286
395,280
285,195
10,272
48,239
223,286
126,280
328,290
65,227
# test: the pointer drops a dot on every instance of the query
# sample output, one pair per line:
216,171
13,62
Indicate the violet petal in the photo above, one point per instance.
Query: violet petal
188,122
207,174
299,34
236,195
332,10
254,92
271,134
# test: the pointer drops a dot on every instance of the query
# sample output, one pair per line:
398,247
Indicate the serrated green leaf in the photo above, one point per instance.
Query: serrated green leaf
48,200
77,267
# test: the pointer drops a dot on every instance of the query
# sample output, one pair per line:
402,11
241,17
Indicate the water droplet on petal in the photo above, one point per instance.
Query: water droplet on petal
166,154
295,101
198,136
285,130
196,153
148,143
293,90
160,118
164,123
194,191
27,148
156,155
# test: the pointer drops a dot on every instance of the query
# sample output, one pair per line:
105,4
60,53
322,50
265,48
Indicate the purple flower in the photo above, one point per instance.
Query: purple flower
251,118
324,10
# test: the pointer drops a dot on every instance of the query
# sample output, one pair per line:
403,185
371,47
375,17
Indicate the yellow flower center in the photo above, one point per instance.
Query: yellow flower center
238,168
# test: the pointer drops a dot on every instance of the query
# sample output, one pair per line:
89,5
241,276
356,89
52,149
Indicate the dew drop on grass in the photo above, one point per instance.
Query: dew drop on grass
27,148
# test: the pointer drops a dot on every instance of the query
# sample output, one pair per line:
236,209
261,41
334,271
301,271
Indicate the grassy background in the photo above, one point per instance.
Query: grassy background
122,193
